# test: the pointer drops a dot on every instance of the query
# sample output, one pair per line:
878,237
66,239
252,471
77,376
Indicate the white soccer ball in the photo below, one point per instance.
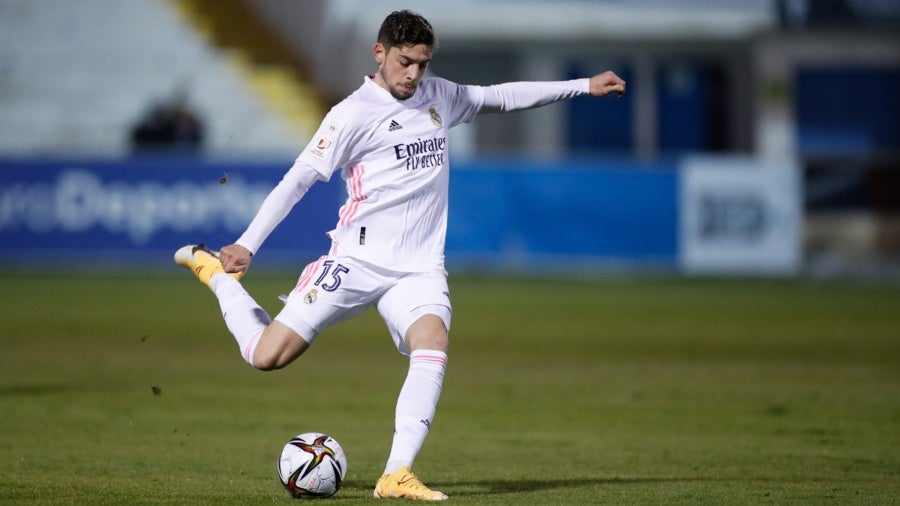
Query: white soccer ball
312,465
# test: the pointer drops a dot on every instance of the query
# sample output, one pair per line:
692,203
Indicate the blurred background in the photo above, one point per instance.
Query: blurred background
758,137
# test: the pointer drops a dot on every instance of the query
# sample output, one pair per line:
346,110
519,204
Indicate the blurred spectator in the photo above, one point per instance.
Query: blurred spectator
169,125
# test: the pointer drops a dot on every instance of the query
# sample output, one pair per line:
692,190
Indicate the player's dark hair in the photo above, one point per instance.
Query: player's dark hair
405,28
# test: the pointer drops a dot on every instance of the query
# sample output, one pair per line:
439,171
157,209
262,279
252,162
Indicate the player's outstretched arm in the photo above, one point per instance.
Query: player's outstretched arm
235,258
606,83
521,95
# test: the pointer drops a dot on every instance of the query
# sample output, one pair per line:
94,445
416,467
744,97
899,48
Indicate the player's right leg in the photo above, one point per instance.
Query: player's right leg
263,344
278,346
202,261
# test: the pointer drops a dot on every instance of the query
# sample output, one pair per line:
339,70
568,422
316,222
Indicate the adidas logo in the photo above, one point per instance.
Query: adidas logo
394,126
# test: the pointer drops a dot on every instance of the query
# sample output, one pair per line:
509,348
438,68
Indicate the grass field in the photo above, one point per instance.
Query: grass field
608,391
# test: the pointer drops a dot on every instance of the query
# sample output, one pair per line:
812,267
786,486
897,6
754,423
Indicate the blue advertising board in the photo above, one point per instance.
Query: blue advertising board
577,214
504,213
77,212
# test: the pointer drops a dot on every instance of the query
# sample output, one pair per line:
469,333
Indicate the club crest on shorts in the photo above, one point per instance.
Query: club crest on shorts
311,296
435,117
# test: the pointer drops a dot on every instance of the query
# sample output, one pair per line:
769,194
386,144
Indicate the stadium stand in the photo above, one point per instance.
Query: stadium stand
76,76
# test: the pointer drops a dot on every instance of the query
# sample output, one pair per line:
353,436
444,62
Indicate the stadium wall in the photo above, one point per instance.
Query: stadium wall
505,214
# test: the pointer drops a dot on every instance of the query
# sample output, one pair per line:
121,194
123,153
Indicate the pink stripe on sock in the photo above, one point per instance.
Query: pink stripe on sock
430,358
251,346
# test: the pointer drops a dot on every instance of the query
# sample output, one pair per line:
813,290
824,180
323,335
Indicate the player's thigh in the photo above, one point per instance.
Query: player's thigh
412,297
278,346
329,291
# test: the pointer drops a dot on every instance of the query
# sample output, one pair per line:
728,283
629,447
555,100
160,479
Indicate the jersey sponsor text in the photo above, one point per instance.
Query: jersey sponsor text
423,153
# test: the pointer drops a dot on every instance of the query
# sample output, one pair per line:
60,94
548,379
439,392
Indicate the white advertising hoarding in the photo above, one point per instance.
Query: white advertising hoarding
740,215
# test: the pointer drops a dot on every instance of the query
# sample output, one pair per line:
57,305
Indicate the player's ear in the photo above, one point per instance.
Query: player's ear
379,53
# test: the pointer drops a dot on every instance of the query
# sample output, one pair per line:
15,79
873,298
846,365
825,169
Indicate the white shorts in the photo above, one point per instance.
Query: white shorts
336,288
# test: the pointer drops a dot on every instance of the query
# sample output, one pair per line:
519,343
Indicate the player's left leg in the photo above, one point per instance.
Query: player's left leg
424,332
417,402
416,405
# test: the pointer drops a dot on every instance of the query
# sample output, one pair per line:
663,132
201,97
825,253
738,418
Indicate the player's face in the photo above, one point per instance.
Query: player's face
400,69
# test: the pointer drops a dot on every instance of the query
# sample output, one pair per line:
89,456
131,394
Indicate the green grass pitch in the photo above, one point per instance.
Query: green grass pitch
124,389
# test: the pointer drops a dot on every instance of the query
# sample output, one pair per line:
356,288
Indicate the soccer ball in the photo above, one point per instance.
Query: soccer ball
312,465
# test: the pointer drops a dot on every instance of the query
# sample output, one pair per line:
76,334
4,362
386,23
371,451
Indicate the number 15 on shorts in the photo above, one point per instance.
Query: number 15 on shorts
330,279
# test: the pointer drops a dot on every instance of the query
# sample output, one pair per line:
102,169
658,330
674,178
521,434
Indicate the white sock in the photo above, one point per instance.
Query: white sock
416,406
243,316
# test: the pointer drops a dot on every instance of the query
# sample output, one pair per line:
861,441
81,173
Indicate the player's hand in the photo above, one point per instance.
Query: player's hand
607,82
235,258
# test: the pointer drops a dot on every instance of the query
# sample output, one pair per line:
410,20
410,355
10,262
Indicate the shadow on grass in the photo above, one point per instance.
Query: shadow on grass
31,390
487,487
492,487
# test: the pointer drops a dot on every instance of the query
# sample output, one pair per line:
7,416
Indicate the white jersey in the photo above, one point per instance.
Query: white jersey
394,156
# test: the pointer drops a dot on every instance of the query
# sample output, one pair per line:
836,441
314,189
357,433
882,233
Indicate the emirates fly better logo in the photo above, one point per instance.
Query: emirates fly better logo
423,153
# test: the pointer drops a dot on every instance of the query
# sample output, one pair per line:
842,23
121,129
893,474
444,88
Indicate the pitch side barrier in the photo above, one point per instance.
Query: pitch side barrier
95,213
551,215
505,214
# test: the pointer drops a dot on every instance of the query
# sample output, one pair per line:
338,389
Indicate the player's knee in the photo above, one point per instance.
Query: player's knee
435,341
264,364
268,361
428,333
278,347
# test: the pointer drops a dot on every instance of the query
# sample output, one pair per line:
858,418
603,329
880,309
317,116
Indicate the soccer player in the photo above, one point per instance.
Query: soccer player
389,140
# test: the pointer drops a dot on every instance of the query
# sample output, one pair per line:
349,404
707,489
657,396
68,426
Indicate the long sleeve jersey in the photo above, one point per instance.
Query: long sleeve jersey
394,157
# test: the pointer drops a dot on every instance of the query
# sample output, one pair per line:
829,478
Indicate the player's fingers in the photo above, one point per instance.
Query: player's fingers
230,263
232,268
618,89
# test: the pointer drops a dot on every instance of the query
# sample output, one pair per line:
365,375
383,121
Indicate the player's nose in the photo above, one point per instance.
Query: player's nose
413,74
